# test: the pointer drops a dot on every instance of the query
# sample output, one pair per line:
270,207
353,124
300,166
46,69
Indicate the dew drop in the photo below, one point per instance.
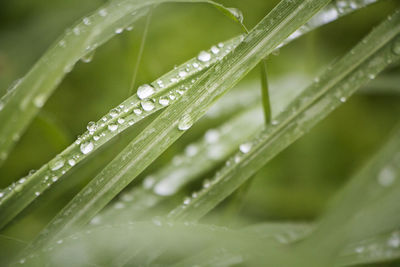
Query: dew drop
76,30
214,50
147,105
120,120
114,113
195,65
396,46
56,164
91,127
103,12
182,73
186,201
274,122
119,30
163,101
112,127
191,150
185,123
237,14
211,136
386,177
145,91
37,193
245,148
71,162
86,21
39,100
342,99
137,111
86,147
204,56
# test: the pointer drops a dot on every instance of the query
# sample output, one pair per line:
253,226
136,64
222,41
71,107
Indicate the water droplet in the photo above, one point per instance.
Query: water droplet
148,182
103,12
163,101
56,164
88,57
91,126
129,28
186,201
386,177
396,46
342,99
76,30
195,65
214,50
119,30
71,162
185,122
236,13
274,122
182,73
211,136
147,105
39,100
114,113
96,137
137,111
204,56
86,21
394,240
191,150
144,91
245,148
121,120
112,127
37,193
86,147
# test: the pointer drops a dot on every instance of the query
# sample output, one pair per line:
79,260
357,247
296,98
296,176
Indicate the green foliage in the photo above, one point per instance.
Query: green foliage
131,212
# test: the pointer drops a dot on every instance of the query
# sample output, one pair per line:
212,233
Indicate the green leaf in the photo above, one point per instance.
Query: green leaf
376,51
284,19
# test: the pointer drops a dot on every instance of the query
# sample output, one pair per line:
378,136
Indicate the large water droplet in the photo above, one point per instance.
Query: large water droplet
204,56
185,123
144,91
86,147
147,105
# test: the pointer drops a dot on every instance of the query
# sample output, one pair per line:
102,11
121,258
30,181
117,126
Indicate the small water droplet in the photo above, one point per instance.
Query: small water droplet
245,148
386,177
163,101
144,91
236,13
56,164
147,105
204,56
88,57
39,100
137,111
195,65
91,127
342,99
396,46
121,120
186,201
214,50
114,113
182,73
103,12
185,122
76,30
211,136
119,30
86,21
37,193
112,127
86,147
274,122
191,150
71,162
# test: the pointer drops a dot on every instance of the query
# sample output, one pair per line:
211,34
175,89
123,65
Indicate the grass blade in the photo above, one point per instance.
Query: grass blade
341,80
167,89
284,19
265,92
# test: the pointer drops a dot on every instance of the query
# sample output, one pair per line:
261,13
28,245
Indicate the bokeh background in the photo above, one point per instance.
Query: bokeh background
296,185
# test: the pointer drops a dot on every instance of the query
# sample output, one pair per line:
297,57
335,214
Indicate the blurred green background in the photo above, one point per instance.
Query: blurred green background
294,186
